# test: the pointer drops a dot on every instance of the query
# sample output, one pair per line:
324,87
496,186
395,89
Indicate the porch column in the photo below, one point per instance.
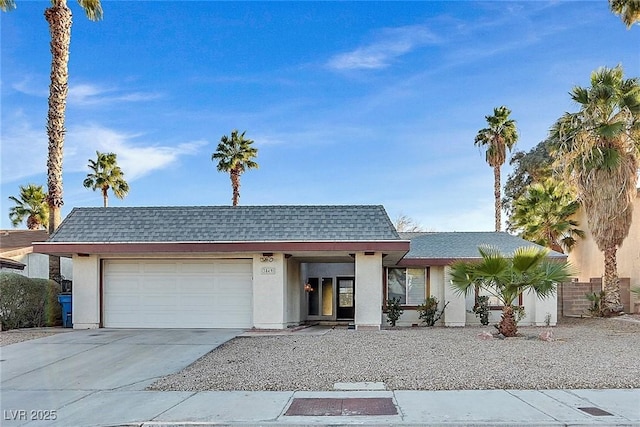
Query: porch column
269,275
368,293
85,304
454,314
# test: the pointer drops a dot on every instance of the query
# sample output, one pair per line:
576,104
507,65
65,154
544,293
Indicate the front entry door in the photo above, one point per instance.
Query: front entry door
346,298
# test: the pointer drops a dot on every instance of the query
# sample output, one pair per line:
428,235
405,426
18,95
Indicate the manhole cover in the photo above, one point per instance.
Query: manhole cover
342,407
597,412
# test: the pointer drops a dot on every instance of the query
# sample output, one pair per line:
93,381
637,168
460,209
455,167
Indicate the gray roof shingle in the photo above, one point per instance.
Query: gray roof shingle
453,245
226,224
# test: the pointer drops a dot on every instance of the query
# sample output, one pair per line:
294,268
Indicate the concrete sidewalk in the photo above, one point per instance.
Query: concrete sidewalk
450,408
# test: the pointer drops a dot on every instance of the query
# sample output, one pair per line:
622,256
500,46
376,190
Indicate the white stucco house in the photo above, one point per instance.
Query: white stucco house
264,267
17,256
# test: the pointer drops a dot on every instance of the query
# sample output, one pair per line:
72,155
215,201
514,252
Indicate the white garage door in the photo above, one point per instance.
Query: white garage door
177,293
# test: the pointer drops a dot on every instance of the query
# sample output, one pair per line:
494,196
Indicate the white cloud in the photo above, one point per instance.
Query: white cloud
31,85
84,93
24,151
135,159
90,94
390,44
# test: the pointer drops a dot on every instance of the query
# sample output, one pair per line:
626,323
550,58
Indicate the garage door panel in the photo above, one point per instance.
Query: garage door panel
196,268
124,268
178,294
158,268
234,268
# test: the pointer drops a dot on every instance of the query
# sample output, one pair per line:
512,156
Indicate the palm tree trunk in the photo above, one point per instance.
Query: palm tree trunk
105,196
235,185
496,194
508,326
611,283
59,18
553,243
33,223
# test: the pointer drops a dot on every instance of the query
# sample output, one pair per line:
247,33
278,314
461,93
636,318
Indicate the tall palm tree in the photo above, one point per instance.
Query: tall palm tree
536,165
234,156
59,18
599,149
32,205
628,10
105,175
500,135
528,269
544,214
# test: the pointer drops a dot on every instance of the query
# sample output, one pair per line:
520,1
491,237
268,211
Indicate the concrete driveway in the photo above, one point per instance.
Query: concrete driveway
40,377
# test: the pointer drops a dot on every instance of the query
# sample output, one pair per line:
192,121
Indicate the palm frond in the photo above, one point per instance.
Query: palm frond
93,9
7,5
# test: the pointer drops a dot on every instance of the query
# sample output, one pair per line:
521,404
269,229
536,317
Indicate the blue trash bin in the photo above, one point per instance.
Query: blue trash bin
65,300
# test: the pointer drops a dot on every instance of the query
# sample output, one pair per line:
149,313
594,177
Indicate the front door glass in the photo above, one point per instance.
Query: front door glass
346,298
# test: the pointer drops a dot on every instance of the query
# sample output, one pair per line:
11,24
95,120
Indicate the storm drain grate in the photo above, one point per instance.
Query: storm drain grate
319,407
596,412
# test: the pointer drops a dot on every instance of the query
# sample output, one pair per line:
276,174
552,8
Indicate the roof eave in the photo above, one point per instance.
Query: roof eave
427,262
70,248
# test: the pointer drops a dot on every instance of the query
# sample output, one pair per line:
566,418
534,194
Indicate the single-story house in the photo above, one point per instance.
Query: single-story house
17,256
264,267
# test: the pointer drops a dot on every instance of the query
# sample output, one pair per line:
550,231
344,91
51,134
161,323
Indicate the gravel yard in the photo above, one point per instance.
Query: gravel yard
584,353
19,335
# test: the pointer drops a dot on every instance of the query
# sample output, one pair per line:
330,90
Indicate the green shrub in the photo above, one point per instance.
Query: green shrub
481,309
597,307
394,310
27,303
428,312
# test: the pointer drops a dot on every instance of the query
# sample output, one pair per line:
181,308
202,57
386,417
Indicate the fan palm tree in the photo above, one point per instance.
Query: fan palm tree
543,215
32,205
234,155
528,269
59,18
599,150
500,135
105,175
628,10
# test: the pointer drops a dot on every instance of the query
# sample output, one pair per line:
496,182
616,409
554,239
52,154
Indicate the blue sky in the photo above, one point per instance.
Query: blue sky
347,102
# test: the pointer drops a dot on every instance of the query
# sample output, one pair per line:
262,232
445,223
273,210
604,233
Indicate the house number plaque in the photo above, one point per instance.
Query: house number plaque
268,270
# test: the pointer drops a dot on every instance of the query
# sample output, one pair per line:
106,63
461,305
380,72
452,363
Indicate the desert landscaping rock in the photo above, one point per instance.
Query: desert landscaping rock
584,353
19,335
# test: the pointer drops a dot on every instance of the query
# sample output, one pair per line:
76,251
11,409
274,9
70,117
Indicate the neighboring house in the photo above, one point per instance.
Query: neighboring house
589,260
16,254
265,267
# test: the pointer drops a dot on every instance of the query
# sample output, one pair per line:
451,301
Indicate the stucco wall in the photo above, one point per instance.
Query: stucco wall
37,266
294,293
268,291
587,259
459,310
86,292
329,270
368,296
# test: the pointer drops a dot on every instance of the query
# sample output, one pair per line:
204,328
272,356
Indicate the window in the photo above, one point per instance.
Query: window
494,301
408,284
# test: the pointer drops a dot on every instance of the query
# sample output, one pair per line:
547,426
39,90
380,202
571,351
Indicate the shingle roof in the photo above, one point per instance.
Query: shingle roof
18,239
453,245
226,224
